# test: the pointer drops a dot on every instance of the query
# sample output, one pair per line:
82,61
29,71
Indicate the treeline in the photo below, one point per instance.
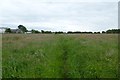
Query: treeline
47,32
23,29
78,32
113,31
110,31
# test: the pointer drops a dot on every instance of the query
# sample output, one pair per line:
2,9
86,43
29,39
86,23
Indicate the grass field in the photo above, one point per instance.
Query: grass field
60,56
0,56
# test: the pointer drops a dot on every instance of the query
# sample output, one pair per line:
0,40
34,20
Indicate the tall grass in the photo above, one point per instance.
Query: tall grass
60,56
0,55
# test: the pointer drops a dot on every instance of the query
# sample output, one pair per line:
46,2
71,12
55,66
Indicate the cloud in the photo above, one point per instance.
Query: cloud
60,15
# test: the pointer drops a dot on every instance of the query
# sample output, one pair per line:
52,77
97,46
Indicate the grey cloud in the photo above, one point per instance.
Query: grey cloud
59,15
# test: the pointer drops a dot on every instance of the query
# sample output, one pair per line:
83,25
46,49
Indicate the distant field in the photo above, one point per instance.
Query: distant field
60,56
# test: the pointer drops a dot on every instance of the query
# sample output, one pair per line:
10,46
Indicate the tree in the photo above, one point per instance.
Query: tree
42,31
113,31
96,32
59,32
69,32
8,30
103,32
35,31
22,28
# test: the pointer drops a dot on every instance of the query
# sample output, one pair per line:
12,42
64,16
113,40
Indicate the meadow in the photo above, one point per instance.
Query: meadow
59,55
0,56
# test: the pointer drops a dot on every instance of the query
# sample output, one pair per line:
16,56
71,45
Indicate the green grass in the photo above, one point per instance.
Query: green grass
60,56
0,55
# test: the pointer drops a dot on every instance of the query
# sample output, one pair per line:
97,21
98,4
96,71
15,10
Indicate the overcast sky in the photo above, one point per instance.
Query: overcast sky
60,15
